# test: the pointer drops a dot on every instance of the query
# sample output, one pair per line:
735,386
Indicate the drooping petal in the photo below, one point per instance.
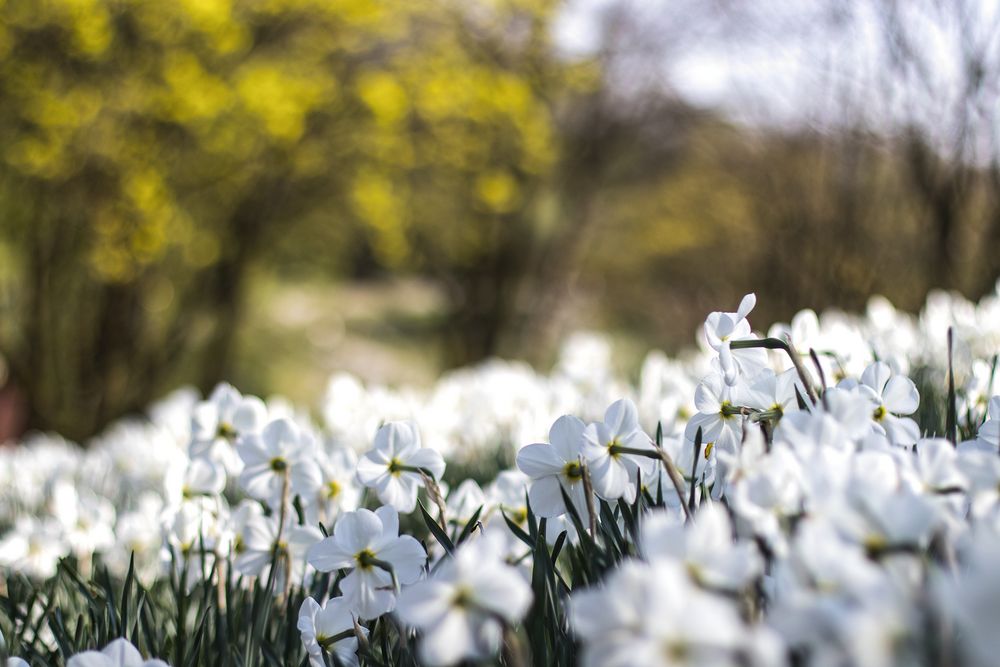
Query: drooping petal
545,497
449,641
399,491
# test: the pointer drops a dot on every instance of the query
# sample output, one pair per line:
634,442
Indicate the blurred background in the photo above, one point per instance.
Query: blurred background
267,191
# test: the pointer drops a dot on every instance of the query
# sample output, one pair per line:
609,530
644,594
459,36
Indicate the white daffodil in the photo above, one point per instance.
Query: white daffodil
218,423
259,545
651,615
33,547
461,610
393,466
555,466
87,519
119,653
614,451
379,557
139,535
464,500
509,494
198,477
722,329
718,418
281,455
330,628
339,490
706,548
194,533
893,397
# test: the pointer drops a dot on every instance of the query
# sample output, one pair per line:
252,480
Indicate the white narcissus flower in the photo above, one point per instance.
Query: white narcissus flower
329,628
706,548
369,544
893,396
553,466
718,418
613,470
218,423
650,614
199,477
722,329
281,450
463,502
119,653
461,609
87,519
33,547
256,548
339,491
392,467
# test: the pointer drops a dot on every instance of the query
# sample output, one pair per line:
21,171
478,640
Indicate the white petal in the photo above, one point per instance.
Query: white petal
746,305
539,460
545,497
357,530
406,556
425,604
327,555
565,435
901,396
427,458
621,417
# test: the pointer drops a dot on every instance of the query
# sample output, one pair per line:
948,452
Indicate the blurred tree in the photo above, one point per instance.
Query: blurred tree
154,152
151,150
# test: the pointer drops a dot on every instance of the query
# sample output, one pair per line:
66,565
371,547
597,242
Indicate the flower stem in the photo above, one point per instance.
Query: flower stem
668,464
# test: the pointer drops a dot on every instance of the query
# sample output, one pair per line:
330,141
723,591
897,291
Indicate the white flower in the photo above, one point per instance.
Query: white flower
719,420
613,470
329,628
33,547
119,653
339,490
87,519
392,467
892,396
722,329
200,477
706,548
651,615
368,543
218,423
281,450
255,548
460,608
464,501
554,466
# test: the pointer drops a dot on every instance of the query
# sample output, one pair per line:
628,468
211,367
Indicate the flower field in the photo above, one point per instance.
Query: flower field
824,494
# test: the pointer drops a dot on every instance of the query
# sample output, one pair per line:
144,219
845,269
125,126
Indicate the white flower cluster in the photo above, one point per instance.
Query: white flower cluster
802,514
